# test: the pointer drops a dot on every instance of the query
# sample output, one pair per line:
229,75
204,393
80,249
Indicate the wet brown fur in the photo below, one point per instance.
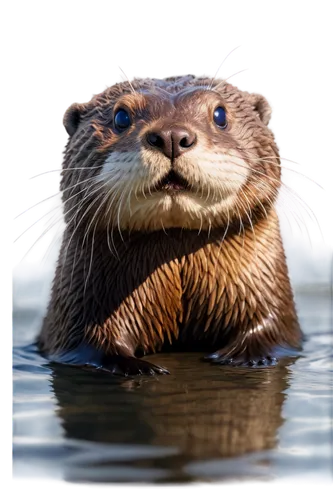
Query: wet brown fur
224,288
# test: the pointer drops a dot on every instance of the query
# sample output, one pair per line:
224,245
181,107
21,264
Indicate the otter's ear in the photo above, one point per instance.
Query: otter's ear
72,118
261,106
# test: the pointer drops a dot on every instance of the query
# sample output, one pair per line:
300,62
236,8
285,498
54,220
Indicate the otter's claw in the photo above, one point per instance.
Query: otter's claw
130,366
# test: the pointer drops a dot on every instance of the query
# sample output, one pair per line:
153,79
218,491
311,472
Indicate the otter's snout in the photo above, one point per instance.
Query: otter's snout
171,141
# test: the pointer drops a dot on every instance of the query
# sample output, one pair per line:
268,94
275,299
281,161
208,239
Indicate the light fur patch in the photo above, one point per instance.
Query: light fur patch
128,178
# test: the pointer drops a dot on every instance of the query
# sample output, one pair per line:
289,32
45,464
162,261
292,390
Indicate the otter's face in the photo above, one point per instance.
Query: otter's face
156,155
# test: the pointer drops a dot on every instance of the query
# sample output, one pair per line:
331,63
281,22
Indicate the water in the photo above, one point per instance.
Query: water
201,423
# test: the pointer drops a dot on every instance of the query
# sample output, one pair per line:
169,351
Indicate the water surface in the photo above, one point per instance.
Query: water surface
200,423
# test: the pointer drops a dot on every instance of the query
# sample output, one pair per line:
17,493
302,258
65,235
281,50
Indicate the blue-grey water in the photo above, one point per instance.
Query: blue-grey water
200,423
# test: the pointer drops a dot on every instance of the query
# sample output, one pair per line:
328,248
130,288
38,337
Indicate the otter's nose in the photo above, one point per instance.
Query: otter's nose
172,142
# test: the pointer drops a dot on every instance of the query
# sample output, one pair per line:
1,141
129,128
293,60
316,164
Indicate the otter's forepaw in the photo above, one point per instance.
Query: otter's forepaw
130,366
220,358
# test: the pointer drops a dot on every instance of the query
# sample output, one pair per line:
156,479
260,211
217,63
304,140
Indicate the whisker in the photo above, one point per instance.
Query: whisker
209,227
292,210
232,76
41,235
108,232
91,258
287,190
77,225
197,191
118,213
241,225
31,226
223,238
310,213
72,271
258,199
249,215
218,69
104,196
269,177
270,157
267,158
207,197
130,84
201,222
50,197
247,201
163,228
129,201
149,183
89,194
136,193
143,191
32,206
62,170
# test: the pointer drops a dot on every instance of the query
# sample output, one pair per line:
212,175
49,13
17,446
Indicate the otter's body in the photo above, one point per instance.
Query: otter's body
177,269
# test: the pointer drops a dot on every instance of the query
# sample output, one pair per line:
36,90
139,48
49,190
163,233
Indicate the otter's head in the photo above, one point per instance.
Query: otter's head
157,154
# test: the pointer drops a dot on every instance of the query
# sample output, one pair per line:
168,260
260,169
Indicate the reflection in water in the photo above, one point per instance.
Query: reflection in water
199,411
202,422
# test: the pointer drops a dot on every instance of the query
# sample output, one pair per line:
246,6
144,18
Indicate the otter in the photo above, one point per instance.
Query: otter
172,239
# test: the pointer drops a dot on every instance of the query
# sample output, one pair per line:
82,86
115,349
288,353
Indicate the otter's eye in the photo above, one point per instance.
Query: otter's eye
122,120
220,117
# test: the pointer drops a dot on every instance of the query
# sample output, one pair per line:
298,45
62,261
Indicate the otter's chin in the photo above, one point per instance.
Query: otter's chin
172,208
